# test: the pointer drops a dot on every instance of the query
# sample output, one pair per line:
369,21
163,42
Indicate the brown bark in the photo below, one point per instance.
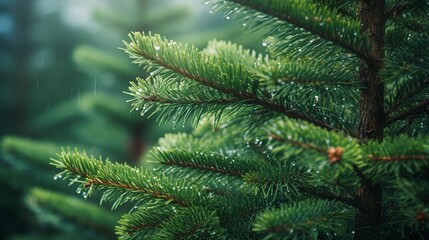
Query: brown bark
371,123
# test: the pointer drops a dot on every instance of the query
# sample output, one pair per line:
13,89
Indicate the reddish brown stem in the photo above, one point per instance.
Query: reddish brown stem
397,158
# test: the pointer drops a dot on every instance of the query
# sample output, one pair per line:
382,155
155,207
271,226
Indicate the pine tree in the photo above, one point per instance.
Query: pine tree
324,137
86,114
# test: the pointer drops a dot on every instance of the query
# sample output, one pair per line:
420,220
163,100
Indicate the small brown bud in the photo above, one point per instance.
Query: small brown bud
88,183
335,154
422,217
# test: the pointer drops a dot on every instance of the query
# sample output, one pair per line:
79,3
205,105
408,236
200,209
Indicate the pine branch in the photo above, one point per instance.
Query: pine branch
344,7
144,221
420,107
318,21
330,196
271,180
318,146
142,48
397,9
395,157
207,162
306,219
94,182
192,223
398,158
261,151
363,178
122,183
181,101
409,95
234,53
401,7
31,151
165,222
73,209
307,78
412,196
308,146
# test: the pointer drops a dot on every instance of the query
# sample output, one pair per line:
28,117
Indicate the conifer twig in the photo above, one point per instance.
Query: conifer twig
97,181
331,196
419,107
397,158
394,107
396,10
298,144
298,23
249,97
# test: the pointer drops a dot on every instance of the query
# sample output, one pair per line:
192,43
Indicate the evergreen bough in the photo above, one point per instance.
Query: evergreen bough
325,137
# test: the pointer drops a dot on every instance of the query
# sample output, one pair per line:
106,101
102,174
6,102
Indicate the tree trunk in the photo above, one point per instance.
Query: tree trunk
371,109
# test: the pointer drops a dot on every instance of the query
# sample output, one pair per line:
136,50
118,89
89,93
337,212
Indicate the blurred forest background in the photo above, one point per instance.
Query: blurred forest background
62,83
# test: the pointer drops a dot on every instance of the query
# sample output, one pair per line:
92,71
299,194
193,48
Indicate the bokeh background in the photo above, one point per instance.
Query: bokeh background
63,80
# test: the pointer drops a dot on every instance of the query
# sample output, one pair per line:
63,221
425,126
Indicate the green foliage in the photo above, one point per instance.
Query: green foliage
298,28
98,59
132,183
73,209
308,219
401,156
34,151
278,150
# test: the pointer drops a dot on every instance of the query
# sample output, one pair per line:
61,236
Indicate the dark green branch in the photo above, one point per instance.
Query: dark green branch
331,196
417,88
298,23
248,97
419,107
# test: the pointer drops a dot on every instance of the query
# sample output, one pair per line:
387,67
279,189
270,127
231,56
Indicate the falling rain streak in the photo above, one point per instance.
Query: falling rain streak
78,98
95,86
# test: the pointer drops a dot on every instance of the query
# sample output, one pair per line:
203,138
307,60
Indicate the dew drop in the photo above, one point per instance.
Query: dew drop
264,44
156,47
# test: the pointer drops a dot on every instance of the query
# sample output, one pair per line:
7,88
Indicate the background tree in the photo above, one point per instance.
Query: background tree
325,137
